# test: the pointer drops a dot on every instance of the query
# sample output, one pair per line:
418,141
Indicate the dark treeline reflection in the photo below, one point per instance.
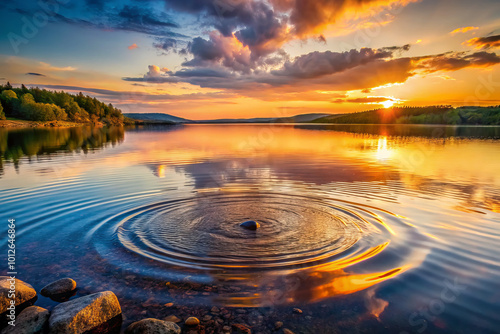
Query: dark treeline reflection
19,143
427,131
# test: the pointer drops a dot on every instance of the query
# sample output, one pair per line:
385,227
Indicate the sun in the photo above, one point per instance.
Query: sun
388,103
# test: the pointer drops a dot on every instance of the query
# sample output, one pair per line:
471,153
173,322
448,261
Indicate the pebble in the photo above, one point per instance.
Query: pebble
192,321
278,325
287,331
241,329
297,310
250,225
59,287
172,318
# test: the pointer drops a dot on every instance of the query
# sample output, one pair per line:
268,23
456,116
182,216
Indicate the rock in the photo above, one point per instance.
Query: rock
278,325
241,329
192,321
59,287
250,225
32,320
297,310
84,314
24,293
215,309
287,331
226,329
172,318
153,326
207,317
168,304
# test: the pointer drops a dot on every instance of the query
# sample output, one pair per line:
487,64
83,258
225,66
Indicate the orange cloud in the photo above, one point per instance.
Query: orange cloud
312,17
484,42
132,47
463,30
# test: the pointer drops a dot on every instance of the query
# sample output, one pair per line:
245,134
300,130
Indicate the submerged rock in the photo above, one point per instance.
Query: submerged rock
250,225
85,313
172,318
24,293
192,322
241,329
31,320
59,288
153,326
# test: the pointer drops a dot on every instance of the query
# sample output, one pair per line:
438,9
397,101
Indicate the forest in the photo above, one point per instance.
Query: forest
442,114
37,104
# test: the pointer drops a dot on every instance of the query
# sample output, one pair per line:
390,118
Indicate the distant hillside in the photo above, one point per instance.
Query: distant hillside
236,120
292,119
156,118
420,115
398,115
303,118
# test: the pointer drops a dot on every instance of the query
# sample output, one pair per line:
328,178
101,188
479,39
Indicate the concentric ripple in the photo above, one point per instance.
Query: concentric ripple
203,232
325,246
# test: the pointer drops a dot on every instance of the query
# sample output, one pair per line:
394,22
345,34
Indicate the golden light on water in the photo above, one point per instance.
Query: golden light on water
383,152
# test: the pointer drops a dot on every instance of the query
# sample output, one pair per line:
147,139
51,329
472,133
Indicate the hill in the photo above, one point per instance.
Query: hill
302,118
156,118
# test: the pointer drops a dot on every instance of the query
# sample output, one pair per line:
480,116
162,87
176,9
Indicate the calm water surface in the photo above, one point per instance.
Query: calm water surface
365,228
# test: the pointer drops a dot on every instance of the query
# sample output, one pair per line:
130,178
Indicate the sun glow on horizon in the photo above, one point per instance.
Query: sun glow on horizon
388,103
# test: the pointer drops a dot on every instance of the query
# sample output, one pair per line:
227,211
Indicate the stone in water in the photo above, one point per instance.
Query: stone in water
250,225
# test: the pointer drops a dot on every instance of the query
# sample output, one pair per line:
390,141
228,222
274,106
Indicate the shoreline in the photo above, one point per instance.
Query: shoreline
37,124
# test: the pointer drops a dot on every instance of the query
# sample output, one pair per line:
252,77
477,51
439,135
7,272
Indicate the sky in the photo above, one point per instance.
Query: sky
208,59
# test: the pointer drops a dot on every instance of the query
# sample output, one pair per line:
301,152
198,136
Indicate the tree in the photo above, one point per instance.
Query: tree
24,89
2,114
42,105
10,102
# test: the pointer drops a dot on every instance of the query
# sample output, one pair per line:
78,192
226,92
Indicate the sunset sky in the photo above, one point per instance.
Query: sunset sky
206,59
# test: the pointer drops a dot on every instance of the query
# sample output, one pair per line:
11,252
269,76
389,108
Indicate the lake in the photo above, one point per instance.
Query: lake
374,229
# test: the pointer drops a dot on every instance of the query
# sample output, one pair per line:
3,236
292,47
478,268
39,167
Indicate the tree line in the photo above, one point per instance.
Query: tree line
37,104
440,114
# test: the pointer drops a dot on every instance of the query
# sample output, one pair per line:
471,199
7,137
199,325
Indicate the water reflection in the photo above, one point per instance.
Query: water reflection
379,216
37,142
427,131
